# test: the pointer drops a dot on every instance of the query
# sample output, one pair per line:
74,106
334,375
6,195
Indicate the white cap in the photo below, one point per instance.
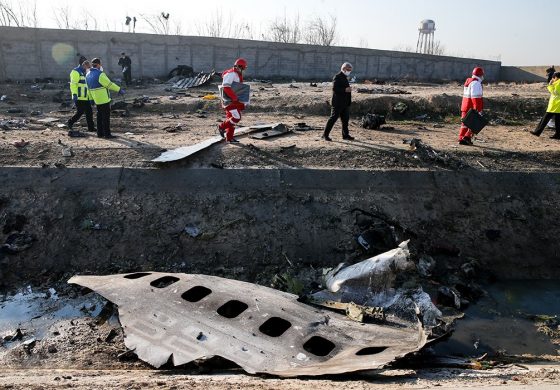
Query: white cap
346,65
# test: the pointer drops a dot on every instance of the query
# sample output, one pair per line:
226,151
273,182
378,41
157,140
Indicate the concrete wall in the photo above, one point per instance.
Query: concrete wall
523,73
28,53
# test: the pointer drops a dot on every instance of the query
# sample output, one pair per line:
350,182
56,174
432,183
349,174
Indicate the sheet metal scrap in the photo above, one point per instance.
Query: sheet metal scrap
186,151
195,81
181,318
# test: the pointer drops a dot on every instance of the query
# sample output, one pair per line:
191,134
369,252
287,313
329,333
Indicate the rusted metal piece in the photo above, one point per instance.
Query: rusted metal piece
180,318
195,81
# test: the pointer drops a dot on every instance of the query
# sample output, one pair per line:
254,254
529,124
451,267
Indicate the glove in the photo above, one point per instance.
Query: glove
122,91
75,99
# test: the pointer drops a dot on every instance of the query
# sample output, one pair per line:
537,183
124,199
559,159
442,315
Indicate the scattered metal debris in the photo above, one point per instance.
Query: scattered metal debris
186,151
383,91
276,131
195,81
9,124
179,318
400,108
372,121
428,154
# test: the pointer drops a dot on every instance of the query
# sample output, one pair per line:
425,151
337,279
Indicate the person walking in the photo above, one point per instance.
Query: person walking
234,108
99,86
340,103
553,109
472,99
81,98
126,64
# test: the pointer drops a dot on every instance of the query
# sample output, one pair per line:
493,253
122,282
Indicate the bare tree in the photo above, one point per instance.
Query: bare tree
90,21
284,30
24,15
219,26
405,48
215,27
8,16
439,49
159,24
64,18
321,31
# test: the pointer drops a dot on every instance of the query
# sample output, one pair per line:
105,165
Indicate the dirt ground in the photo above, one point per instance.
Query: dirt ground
170,120
80,351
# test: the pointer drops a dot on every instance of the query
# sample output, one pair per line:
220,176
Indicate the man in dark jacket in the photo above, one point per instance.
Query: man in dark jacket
126,64
340,103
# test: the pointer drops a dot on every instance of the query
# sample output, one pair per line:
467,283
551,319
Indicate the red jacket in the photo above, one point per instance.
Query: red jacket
472,95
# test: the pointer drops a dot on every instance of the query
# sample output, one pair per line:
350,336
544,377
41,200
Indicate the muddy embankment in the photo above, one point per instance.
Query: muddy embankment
253,224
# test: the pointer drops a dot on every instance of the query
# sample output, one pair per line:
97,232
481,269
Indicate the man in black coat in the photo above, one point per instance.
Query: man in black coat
340,103
126,64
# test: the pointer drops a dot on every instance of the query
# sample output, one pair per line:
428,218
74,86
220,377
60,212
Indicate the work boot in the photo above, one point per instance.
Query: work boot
110,136
348,137
233,141
75,133
69,125
465,141
326,138
535,133
555,136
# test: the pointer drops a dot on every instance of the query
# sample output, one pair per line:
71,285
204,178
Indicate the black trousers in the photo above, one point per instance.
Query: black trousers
544,121
338,112
104,120
83,107
127,75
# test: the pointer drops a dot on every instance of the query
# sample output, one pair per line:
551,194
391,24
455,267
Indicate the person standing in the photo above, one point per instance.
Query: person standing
472,99
553,109
99,86
81,98
340,103
126,64
233,110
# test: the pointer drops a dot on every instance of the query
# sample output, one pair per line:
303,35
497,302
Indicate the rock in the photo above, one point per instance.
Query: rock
51,349
426,265
447,296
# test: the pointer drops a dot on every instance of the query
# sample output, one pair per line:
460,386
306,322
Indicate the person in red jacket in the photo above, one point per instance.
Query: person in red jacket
472,98
233,109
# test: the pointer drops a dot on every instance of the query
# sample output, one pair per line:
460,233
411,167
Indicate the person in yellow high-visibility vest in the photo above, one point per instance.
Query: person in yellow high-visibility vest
99,87
81,98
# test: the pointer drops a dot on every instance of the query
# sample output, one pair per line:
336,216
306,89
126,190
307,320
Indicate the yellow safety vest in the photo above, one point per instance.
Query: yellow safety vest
99,86
554,102
78,84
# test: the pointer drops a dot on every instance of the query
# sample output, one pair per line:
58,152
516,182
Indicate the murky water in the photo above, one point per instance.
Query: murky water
498,323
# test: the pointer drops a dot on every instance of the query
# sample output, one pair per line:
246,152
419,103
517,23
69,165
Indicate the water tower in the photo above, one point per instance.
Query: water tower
426,31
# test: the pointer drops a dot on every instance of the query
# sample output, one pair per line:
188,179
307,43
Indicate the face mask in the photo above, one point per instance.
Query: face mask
347,72
101,68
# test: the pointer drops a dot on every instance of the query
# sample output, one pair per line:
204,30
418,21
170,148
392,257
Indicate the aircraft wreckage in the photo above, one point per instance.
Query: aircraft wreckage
179,318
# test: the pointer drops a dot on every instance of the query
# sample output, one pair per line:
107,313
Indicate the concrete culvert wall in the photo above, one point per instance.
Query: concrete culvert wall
251,224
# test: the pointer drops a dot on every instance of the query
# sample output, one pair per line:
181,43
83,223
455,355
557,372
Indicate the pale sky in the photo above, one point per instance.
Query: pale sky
516,32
